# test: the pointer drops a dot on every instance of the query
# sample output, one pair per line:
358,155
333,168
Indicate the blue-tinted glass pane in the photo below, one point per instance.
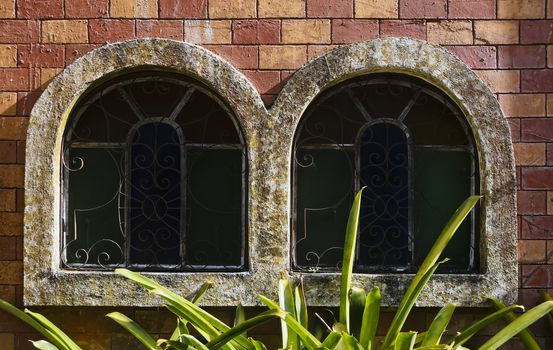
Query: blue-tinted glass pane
325,186
155,195
214,208
384,217
94,235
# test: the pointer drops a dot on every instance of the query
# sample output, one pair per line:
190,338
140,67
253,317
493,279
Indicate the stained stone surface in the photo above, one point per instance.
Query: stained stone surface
269,137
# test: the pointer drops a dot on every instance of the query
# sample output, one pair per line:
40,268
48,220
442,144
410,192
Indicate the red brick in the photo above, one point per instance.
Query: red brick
330,8
26,101
19,31
537,129
531,202
549,153
242,57
537,80
471,8
8,248
38,9
11,176
537,276
537,178
38,55
8,152
110,30
514,126
422,8
411,28
532,251
169,29
86,8
522,56
183,9
11,224
536,32
72,52
348,30
266,82
476,56
256,32
537,227
14,79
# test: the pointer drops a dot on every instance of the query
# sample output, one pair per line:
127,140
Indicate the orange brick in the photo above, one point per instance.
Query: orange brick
46,76
282,57
11,272
7,200
64,31
314,51
501,80
549,106
550,56
11,176
7,341
550,9
8,56
531,251
281,8
496,32
232,9
550,203
520,8
13,128
450,32
7,8
207,32
523,105
529,153
306,31
133,9
11,224
376,9
8,103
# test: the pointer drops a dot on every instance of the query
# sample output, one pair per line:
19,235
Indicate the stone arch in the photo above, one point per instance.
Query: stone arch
437,66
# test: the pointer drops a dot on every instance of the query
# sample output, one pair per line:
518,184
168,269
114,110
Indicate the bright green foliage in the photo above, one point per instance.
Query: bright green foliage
357,322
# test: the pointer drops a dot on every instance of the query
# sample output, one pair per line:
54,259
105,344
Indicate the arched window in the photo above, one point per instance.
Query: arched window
410,146
154,178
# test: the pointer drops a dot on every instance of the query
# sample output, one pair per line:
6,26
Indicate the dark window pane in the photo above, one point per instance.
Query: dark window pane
442,182
214,234
93,233
155,195
324,195
384,217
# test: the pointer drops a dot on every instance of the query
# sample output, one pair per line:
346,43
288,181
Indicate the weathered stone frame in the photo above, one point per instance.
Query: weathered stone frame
269,138
432,63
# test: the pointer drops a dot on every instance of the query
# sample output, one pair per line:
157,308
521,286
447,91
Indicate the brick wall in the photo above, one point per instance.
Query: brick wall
509,44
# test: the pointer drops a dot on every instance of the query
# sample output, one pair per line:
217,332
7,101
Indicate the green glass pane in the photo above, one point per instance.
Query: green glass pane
442,182
324,196
214,215
94,235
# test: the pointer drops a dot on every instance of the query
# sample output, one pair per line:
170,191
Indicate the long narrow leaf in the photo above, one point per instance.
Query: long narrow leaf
307,338
244,326
196,297
239,317
179,331
258,345
357,306
4,305
547,297
405,341
195,342
350,343
513,328
525,335
432,257
349,257
68,342
301,306
286,302
134,328
470,331
331,340
44,345
438,326
371,314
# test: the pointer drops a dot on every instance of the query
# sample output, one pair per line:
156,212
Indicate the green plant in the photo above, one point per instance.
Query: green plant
354,330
